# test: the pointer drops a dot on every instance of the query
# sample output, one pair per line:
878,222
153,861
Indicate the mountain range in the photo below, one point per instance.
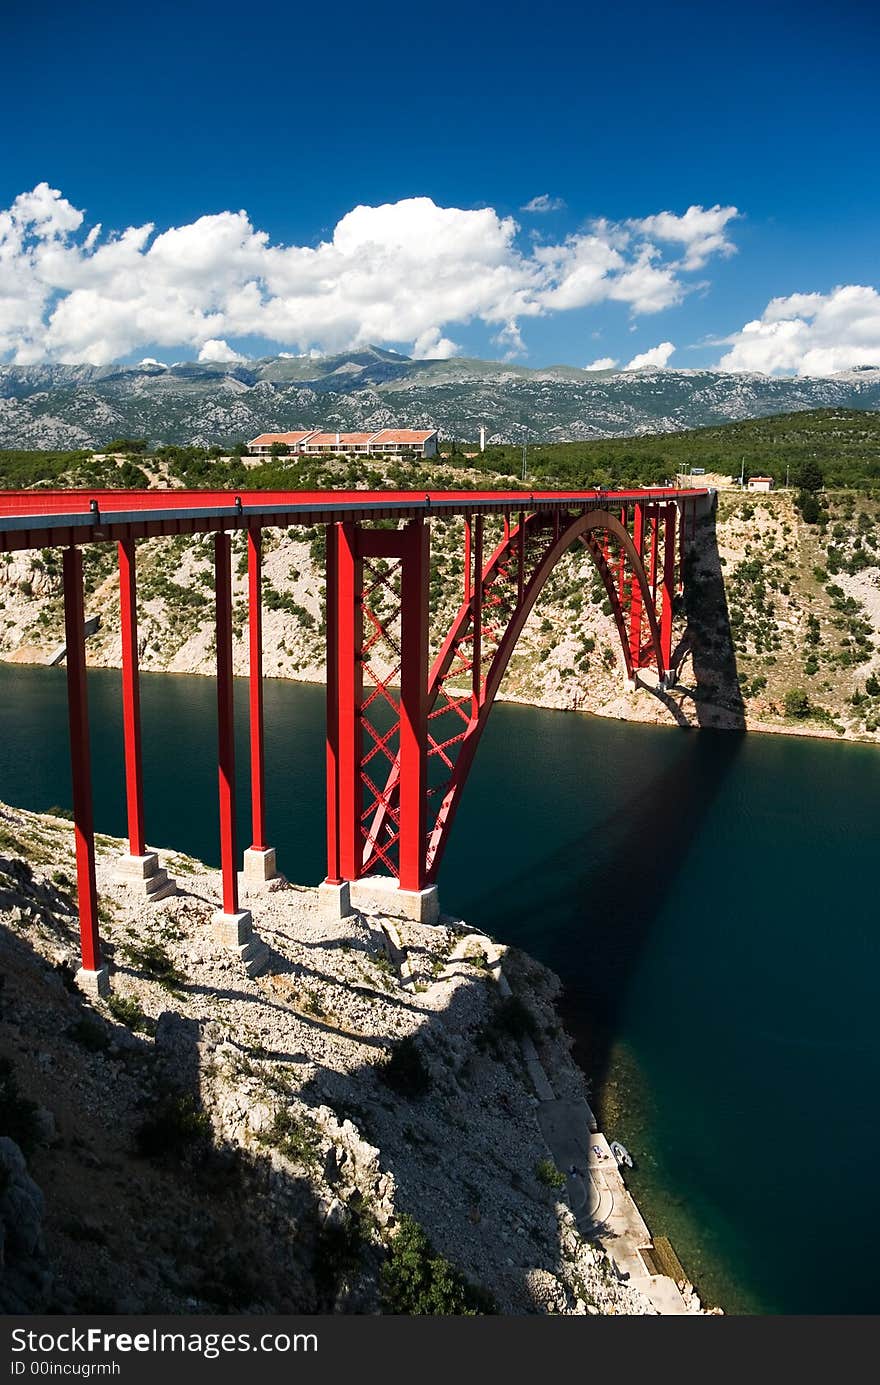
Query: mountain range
72,406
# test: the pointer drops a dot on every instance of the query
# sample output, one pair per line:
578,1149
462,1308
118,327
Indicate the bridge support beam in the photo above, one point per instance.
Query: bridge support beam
139,869
415,581
259,858
351,754
93,975
635,593
667,594
131,698
232,926
344,696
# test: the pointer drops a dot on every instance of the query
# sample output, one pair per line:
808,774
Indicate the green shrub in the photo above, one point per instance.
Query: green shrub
547,1173
153,960
295,1137
405,1070
797,704
417,1282
177,1124
512,1018
128,1011
809,507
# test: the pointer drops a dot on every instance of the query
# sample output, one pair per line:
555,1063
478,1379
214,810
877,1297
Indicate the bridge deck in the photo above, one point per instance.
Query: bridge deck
47,518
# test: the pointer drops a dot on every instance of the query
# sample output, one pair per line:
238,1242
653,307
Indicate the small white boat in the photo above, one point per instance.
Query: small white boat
621,1154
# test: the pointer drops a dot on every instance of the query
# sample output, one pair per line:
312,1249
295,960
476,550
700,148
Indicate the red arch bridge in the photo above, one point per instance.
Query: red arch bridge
401,732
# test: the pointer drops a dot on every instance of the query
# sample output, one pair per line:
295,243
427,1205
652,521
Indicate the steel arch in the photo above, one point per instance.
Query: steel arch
462,650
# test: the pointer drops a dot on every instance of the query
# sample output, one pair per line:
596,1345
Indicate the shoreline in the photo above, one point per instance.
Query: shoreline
811,732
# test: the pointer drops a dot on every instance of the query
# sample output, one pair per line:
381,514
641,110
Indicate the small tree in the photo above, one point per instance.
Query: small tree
417,1281
810,477
130,446
279,449
797,704
809,507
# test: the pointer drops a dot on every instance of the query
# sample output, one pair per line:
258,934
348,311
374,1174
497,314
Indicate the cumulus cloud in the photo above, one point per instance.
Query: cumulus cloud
431,346
219,351
602,363
544,203
401,273
701,232
657,356
810,334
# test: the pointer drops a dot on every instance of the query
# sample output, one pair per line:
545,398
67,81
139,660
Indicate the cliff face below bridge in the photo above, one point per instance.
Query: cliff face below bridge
208,1141
774,607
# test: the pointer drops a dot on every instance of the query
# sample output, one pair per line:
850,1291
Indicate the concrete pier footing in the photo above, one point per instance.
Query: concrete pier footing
380,894
333,900
236,933
94,983
259,866
145,876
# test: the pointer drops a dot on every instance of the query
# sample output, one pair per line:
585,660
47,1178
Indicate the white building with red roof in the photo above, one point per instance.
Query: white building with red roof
407,443
262,446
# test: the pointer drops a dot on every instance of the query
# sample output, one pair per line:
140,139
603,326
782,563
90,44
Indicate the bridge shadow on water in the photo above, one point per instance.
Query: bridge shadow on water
610,886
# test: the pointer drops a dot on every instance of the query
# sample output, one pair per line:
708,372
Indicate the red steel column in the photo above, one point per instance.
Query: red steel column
655,533
520,558
225,726
467,557
477,616
131,699
681,544
334,876
255,638
635,598
80,760
414,707
668,589
349,683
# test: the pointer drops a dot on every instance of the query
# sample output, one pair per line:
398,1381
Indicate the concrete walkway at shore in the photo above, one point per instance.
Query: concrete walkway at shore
602,1204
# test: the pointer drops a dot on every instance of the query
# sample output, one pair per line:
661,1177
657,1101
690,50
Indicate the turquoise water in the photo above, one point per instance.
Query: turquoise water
709,899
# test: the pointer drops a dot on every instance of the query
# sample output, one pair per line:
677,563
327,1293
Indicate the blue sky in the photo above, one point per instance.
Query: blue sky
164,115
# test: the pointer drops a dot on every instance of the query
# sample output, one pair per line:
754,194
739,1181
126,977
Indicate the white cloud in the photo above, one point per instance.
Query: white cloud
402,273
657,356
544,203
701,231
430,345
602,363
151,360
219,351
810,334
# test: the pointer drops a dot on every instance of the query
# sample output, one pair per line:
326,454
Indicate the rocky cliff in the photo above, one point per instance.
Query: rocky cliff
358,1129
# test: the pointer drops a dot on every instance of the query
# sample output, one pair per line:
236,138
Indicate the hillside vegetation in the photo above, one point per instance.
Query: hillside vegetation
844,444
780,628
